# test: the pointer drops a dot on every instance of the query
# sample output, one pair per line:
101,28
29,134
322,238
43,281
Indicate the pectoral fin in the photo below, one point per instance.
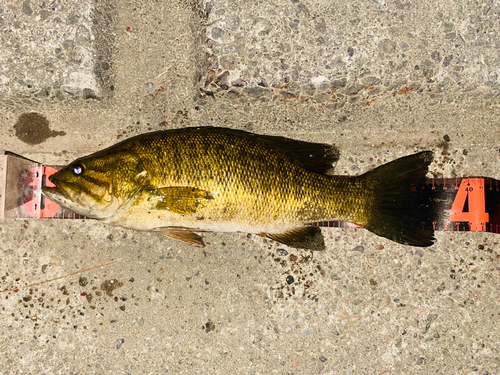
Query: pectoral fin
179,199
183,235
309,238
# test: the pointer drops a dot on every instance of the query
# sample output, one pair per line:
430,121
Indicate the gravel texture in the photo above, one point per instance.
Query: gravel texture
55,49
332,51
341,73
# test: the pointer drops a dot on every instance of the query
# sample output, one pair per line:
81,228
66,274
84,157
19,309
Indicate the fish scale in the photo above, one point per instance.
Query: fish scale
190,180
259,185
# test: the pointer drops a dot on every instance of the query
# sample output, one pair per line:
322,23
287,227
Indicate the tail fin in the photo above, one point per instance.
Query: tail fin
400,206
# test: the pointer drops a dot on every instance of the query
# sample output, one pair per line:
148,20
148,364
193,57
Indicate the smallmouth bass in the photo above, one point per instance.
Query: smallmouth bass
185,181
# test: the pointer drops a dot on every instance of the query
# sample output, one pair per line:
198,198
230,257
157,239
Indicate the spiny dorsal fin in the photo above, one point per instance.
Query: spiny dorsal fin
309,238
315,157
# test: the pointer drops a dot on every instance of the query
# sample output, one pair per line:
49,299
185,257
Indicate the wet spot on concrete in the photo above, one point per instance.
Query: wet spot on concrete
33,128
109,286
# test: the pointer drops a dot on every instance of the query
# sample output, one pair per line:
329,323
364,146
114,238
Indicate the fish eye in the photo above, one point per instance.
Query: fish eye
78,169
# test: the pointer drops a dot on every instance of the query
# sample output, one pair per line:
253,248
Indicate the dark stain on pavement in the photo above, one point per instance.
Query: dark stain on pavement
33,128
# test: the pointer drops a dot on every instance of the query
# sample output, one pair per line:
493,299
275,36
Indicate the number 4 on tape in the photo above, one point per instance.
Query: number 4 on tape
469,204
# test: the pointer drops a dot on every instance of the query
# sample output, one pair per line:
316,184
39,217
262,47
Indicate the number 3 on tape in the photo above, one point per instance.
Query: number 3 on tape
469,204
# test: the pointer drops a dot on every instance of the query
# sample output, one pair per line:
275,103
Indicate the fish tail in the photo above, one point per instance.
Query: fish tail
400,206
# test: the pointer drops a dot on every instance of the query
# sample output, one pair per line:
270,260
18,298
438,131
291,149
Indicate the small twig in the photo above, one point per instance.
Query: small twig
60,277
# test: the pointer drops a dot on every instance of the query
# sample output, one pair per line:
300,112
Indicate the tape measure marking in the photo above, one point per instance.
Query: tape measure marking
462,204
465,204
469,205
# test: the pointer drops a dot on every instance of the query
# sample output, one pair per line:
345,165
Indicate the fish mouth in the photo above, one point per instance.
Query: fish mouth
56,193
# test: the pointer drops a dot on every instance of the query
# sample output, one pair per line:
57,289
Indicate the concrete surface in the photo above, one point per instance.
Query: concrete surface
54,49
329,71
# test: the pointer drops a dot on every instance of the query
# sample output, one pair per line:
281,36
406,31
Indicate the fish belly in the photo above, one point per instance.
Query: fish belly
233,211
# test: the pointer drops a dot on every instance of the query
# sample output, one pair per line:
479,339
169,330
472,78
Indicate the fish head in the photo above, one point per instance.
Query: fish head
97,186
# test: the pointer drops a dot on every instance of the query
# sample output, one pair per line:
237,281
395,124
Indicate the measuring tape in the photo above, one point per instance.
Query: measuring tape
22,196
461,204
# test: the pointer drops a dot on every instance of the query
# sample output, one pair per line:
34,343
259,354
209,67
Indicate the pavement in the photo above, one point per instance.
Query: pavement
379,79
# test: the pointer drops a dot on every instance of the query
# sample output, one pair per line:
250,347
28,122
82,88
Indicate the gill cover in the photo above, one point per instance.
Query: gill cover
98,185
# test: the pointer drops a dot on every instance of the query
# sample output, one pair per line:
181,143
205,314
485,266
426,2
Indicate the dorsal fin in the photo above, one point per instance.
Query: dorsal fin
315,157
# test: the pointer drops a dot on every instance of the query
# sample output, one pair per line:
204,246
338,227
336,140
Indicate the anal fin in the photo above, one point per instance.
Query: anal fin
183,235
309,238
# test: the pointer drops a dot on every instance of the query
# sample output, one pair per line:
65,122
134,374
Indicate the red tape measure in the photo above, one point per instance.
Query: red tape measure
35,204
470,205
461,204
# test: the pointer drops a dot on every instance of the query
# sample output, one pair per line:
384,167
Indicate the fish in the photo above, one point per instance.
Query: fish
183,182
